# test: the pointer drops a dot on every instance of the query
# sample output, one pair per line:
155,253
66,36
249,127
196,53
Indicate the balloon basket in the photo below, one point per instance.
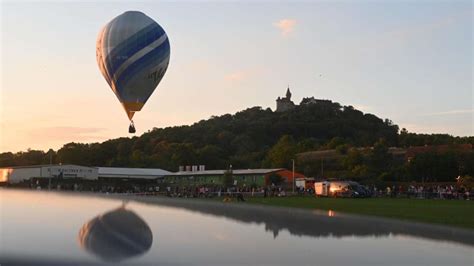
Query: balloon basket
131,128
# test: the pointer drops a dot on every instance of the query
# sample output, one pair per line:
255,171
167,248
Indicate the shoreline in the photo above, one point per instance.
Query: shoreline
314,223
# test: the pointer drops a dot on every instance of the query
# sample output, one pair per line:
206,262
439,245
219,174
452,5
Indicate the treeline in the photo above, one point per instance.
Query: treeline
378,164
252,138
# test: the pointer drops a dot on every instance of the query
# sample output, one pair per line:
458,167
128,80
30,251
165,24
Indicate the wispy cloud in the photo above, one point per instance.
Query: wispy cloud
236,76
286,26
451,112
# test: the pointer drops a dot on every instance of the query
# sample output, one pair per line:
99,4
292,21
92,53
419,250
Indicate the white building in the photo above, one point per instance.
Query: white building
17,174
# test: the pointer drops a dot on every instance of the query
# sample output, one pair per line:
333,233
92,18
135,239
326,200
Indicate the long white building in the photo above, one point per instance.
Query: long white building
17,174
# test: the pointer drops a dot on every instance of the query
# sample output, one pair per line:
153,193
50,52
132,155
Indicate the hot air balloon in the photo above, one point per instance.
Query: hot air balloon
116,235
133,53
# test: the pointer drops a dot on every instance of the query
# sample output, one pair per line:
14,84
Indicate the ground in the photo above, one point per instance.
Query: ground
458,213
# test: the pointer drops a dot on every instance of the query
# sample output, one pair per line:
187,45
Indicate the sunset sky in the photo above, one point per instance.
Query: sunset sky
407,61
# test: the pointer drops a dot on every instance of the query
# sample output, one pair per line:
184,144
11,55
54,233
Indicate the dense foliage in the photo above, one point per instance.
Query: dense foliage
379,165
252,138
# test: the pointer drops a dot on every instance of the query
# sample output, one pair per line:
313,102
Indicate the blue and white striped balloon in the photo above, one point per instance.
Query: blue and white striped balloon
133,53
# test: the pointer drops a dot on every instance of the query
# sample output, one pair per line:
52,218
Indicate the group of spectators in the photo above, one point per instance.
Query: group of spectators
219,191
215,191
427,192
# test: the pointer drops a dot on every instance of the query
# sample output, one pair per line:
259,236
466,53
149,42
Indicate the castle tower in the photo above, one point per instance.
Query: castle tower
284,104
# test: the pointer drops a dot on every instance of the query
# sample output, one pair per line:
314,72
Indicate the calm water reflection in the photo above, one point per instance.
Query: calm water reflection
40,226
317,223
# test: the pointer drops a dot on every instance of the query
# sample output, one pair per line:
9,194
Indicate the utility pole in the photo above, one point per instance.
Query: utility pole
293,160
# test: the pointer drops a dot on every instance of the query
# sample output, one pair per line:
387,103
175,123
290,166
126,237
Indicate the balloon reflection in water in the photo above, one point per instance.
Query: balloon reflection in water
116,235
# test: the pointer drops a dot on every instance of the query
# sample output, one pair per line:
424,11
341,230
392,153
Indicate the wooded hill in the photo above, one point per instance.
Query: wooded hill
251,138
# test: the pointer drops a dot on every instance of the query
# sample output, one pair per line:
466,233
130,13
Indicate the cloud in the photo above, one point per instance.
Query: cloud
236,76
286,26
451,112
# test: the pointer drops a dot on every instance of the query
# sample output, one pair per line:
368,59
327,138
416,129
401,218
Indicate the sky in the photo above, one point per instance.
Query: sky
409,61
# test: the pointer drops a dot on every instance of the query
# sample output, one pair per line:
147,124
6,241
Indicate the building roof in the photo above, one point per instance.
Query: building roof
132,172
221,172
43,165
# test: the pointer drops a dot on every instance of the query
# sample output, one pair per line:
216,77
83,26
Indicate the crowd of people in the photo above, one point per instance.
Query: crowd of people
220,191
419,191
427,192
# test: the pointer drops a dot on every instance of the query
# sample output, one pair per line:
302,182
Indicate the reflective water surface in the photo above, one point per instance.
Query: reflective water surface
57,228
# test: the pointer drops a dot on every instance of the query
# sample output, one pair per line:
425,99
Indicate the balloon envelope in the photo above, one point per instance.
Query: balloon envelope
133,53
116,235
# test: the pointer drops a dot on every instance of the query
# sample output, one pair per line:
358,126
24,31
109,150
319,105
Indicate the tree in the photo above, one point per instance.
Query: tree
75,153
359,172
379,159
354,157
335,142
228,179
431,166
7,159
342,149
281,154
211,156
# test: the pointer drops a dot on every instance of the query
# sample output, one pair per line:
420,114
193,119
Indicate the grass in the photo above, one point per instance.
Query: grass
459,213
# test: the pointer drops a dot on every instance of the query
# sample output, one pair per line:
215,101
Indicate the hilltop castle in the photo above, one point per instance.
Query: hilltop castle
285,104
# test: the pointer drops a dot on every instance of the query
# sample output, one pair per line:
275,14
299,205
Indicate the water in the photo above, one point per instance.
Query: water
45,227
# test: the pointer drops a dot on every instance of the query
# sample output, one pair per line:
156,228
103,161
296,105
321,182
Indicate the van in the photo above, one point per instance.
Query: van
343,189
